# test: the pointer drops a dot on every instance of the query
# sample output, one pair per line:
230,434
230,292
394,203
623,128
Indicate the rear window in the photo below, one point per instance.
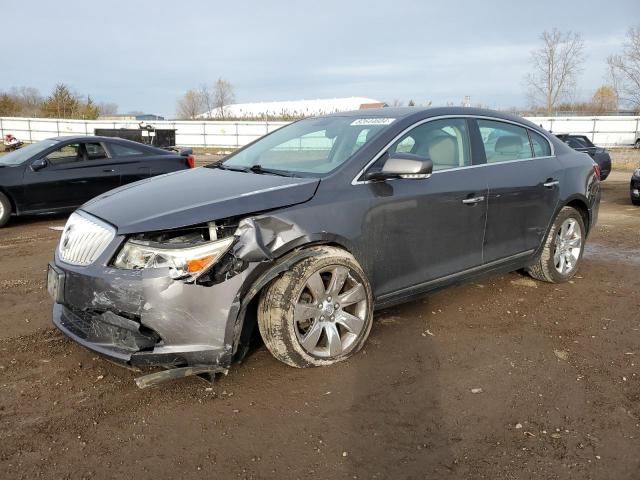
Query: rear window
122,151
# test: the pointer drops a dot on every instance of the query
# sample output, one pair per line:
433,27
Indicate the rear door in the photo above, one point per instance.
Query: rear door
524,179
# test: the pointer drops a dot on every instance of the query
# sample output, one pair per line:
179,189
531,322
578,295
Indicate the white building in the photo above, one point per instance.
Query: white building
294,108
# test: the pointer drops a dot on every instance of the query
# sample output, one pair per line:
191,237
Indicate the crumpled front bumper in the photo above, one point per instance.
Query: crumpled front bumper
146,318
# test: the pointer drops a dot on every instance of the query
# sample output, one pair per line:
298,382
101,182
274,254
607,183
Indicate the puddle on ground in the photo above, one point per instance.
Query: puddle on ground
621,254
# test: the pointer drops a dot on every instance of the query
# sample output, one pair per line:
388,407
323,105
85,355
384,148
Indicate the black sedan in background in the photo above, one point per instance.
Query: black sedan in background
60,174
600,155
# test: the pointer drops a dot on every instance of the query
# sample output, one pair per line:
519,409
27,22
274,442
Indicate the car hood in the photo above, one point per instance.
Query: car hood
196,196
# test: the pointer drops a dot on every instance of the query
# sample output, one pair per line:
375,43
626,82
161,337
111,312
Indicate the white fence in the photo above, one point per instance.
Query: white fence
188,133
606,131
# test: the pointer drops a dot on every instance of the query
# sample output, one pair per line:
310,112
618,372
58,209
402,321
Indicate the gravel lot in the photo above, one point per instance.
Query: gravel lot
554,368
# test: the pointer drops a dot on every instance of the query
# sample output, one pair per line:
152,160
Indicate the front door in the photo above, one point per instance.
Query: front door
426,229
75,173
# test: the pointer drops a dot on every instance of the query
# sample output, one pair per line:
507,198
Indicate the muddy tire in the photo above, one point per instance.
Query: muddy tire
5,210
563,248
319,312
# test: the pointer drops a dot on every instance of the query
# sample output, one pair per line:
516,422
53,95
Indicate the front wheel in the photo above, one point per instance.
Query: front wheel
5,210
319,312
562,250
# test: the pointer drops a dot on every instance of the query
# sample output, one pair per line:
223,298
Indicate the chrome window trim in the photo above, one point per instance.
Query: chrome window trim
377,156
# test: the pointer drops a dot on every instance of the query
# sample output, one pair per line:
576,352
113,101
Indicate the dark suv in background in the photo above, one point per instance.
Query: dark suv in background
600,155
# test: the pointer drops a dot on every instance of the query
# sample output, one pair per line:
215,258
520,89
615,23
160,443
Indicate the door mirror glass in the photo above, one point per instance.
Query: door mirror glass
38,164
403,165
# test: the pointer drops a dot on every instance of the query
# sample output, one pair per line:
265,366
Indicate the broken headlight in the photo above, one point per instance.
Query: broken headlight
185,262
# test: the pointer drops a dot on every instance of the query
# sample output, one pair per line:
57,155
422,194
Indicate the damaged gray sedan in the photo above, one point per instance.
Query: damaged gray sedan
303,233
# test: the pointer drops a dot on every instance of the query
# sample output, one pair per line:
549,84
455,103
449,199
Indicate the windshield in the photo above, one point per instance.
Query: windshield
25,153
312,146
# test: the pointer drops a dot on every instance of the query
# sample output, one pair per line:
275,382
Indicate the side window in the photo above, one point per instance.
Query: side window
444,142
504,141
122,151
67,154
95,151
540,145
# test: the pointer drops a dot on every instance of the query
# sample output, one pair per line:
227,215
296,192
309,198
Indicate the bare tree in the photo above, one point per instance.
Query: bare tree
9,106
206,96
190,105
625,69
30,100
107,108
223,96
556,66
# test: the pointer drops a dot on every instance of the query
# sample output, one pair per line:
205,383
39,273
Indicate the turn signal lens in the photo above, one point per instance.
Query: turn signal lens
194,266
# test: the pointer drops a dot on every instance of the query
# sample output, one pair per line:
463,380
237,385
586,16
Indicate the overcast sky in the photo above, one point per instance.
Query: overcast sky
144,55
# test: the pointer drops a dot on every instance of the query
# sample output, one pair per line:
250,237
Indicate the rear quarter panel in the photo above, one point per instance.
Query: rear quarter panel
159,164
579,182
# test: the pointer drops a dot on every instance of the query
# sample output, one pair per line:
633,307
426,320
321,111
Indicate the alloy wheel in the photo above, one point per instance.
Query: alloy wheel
330,313
568,246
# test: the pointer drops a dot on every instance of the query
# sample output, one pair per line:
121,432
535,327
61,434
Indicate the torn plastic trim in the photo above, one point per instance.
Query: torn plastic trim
240,305
156,378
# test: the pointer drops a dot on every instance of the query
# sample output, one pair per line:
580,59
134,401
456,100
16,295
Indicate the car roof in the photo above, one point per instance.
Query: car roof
402,112
95,138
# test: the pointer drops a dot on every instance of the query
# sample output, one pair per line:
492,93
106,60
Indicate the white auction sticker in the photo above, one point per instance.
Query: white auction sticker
373,121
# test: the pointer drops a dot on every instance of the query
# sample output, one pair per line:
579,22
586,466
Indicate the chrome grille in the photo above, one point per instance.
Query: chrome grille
84,238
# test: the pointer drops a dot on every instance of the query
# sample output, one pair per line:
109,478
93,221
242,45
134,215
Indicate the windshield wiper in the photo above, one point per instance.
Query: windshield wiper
259,169
269,171
222,166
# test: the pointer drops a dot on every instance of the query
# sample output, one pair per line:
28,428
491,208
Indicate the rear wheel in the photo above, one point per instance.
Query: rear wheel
562,251
635,200
5,209
319,312
637,144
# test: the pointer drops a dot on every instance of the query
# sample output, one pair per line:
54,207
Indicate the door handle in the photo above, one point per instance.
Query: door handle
473,201
551,183
108,170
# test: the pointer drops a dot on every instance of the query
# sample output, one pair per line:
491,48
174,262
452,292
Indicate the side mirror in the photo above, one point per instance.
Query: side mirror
403,165
185,152
38,164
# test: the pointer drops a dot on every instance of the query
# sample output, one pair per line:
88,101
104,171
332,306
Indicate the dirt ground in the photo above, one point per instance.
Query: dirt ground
557,366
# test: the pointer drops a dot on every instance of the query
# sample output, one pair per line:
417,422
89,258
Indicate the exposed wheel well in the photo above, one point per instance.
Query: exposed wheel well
581,207
250,317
